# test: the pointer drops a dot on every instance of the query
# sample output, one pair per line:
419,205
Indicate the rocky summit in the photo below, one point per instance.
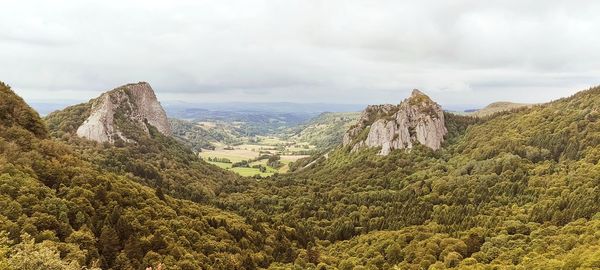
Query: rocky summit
118,109
417,119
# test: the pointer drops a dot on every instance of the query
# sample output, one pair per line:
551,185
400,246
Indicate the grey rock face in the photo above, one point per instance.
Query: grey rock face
136,102
416,119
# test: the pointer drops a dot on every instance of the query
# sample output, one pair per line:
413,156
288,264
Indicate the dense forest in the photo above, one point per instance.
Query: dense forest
62,211
513,190
326,130
518,188
197,138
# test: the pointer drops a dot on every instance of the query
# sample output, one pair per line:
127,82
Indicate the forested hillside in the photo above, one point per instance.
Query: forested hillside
519,188
515,190
498,107
197,137
154,160
62,211
326,130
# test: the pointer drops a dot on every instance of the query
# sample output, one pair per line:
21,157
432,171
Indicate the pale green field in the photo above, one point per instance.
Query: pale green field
288,159
299,148
249,151
249,172
246,171
250,147
271,141
236,155
260,162
221,164
207,125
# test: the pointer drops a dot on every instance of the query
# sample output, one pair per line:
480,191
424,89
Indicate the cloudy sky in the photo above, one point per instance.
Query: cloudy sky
338,51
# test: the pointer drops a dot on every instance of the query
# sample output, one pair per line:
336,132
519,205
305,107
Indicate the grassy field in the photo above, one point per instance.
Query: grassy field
221,164
252,149
235,155
292,158
250,172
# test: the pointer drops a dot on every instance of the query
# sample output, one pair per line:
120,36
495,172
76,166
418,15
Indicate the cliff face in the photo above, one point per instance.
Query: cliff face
416,119
132,106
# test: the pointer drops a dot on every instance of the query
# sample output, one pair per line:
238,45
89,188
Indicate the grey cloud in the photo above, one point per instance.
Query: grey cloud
351,51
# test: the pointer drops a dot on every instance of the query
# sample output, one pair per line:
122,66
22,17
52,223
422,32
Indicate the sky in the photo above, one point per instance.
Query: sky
461,53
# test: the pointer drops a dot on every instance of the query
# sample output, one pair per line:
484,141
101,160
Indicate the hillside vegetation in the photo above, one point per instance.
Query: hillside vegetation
516,190
65,207
198,136
498,107
520,189
326,130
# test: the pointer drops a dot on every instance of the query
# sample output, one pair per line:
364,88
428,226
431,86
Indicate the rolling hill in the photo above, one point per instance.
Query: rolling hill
516,190
65,208
326,130
498,107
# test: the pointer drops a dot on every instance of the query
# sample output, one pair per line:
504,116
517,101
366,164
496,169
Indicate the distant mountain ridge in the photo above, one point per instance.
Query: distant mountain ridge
497,107
174,108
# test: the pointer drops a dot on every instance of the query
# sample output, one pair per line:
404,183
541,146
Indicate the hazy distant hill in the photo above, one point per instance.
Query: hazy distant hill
46,107
174,108
250,119
198,136
497,107
326,130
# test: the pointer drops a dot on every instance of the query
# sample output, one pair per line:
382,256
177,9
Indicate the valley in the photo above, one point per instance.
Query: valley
270,148
404,186
260,155
299,135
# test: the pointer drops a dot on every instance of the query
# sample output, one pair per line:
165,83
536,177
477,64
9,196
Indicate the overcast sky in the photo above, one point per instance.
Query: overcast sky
346,51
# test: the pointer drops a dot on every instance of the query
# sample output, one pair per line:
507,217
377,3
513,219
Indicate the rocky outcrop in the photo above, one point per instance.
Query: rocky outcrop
417,119
134,105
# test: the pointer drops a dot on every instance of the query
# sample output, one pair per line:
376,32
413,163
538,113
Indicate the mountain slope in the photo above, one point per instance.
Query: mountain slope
82,215
498,107
15,113
119,115
517,190
197,136
326,130
151,157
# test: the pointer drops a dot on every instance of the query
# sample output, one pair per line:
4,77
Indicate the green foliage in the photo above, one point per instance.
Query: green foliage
15,112
326,130
28,255
512,189
498,107
516,190
197,137
153,160
81,213
67,121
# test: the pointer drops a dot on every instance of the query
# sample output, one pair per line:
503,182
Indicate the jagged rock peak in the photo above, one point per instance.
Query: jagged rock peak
417,93
417,119
115,113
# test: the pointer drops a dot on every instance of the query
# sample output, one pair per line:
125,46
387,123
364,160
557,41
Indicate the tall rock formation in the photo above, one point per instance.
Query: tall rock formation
416,119
116,113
